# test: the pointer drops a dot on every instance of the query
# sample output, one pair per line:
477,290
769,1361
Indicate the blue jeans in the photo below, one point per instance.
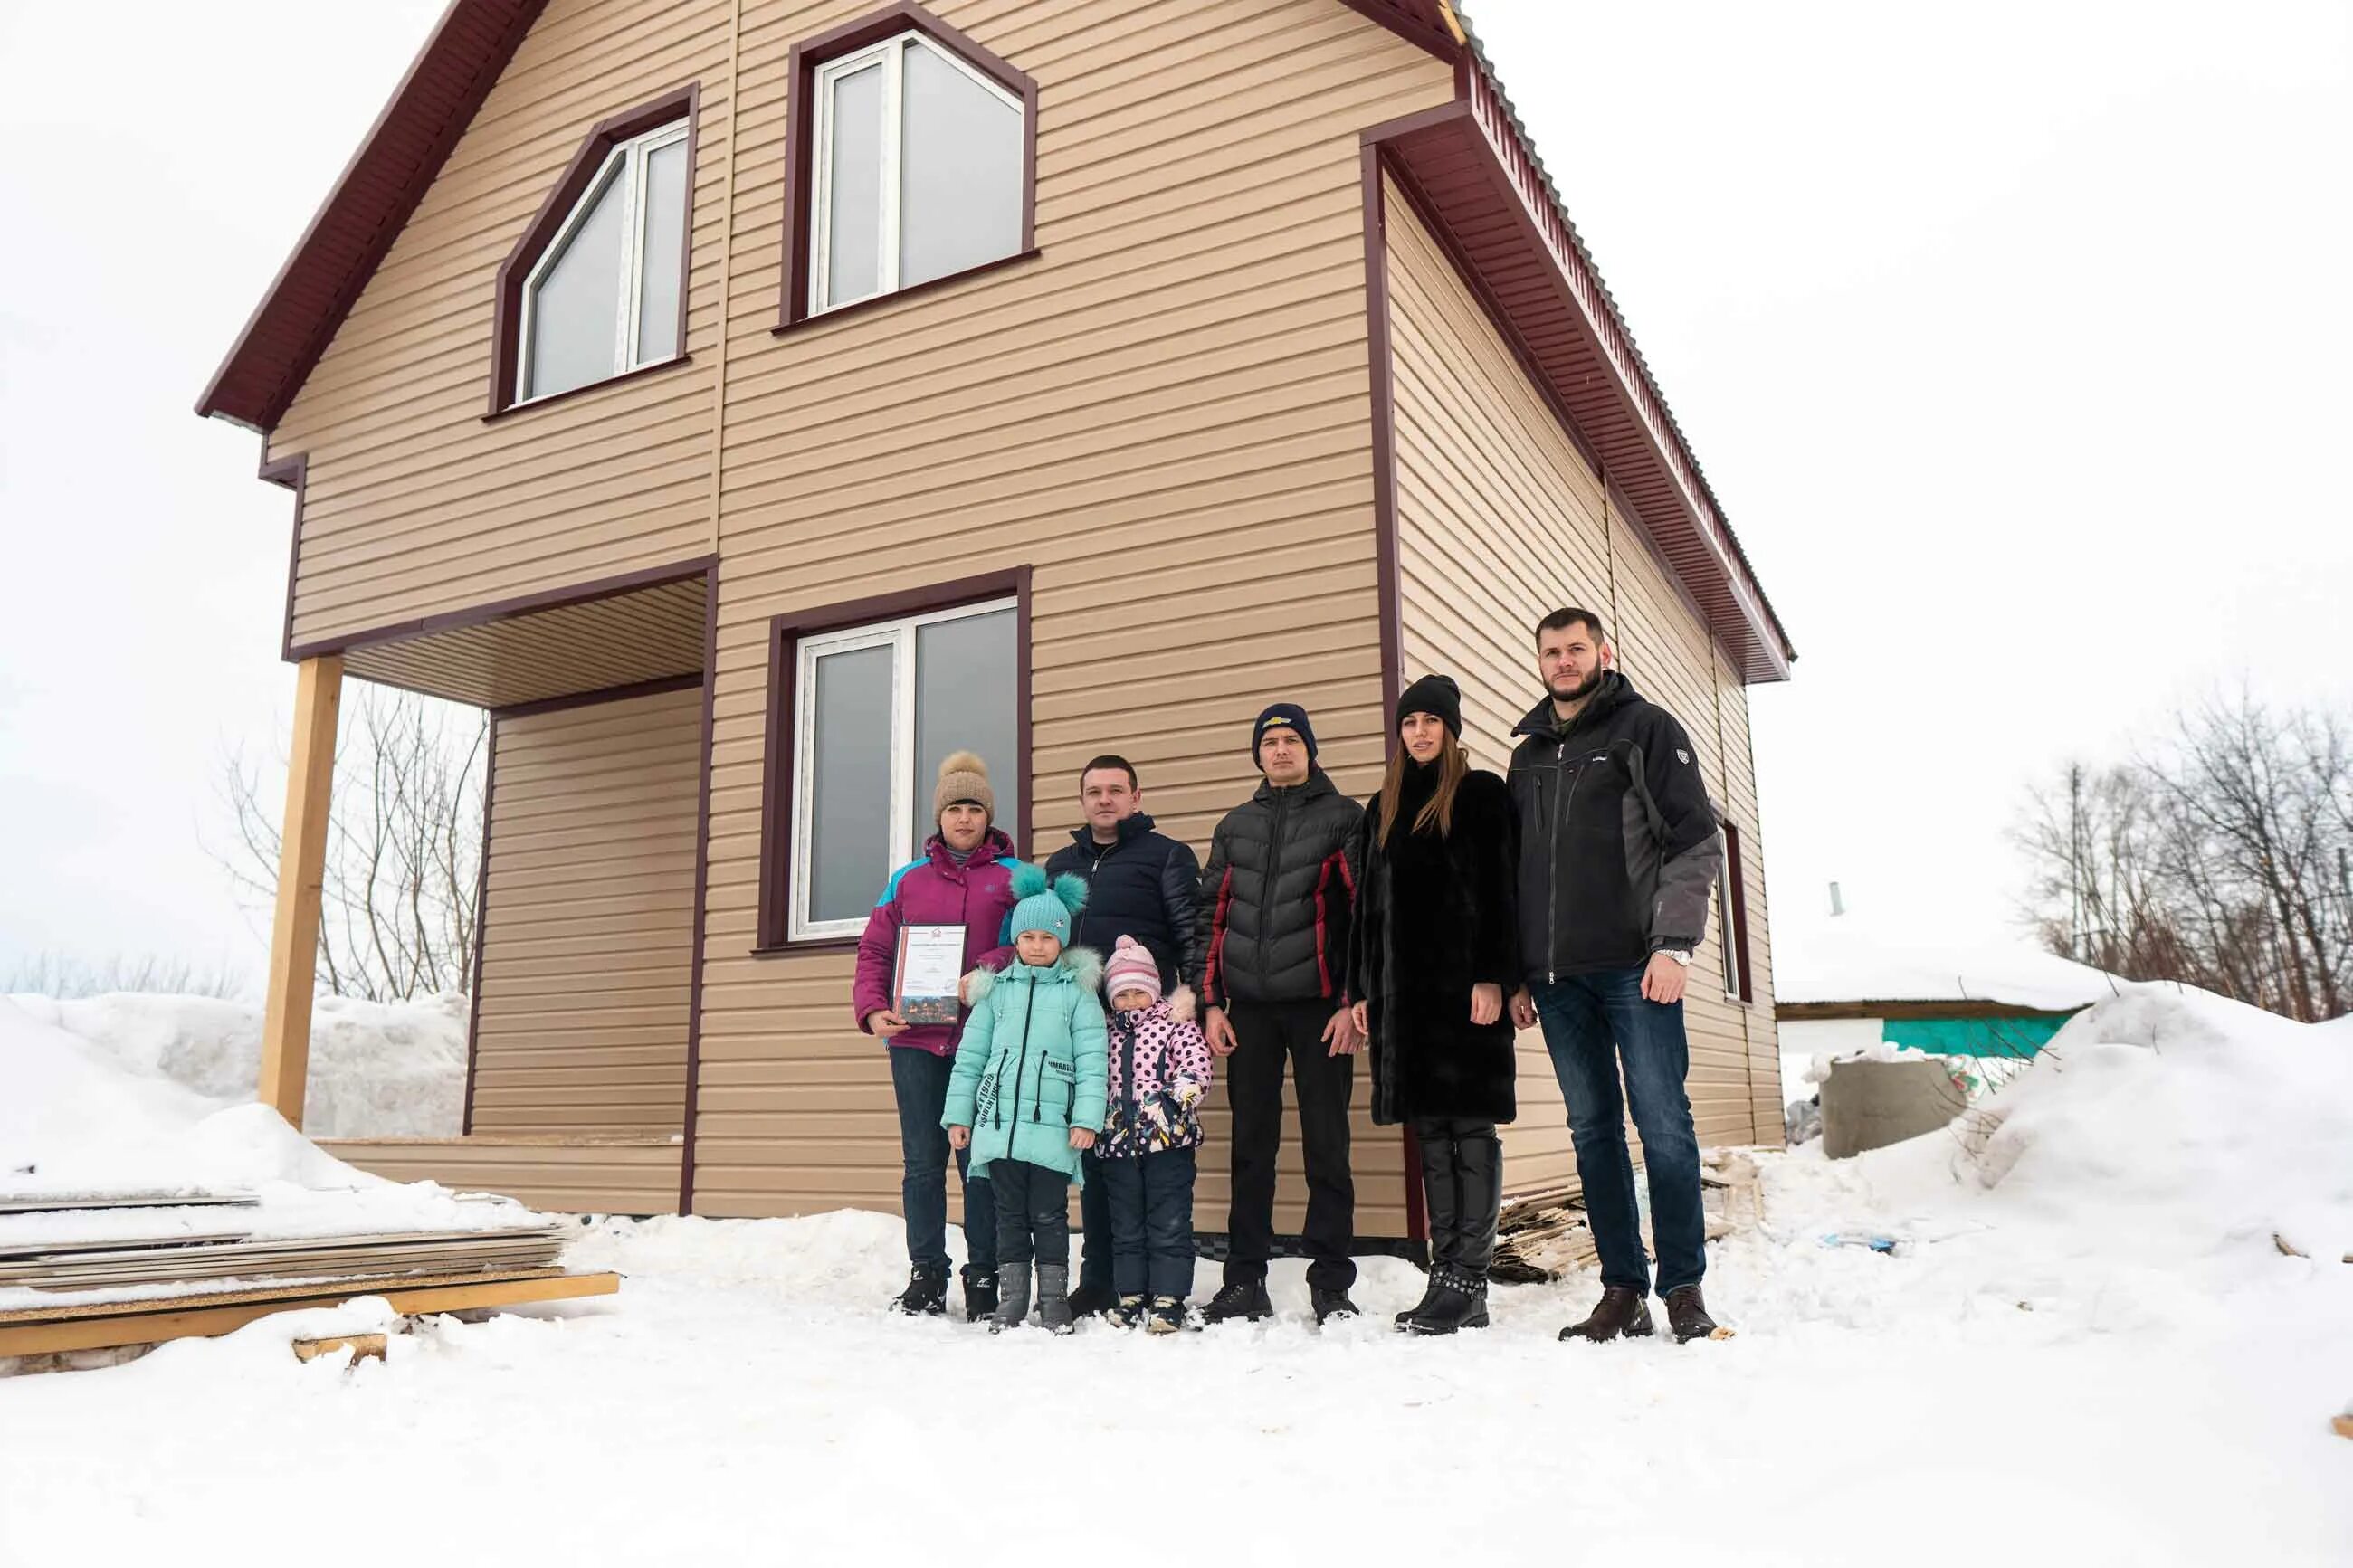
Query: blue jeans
920,1080
1150,1202
1591,1023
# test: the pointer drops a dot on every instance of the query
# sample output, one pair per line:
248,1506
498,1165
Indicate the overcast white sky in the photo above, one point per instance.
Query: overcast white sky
2015,350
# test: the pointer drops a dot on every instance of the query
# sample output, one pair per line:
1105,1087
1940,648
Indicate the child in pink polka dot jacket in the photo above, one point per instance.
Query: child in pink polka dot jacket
1160,1069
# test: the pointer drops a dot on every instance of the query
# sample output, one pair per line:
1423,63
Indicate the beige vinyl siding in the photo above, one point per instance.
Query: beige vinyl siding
1740,801
1500,519
1166,416
413,504
588,931
577,1176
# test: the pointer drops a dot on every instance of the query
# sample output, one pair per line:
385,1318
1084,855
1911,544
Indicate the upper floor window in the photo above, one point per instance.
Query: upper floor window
603,298
909,160
918,170
596,285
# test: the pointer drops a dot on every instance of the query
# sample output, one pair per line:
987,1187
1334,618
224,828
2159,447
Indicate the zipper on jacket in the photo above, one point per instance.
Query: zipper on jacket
1552,870
1018,1069
1273,873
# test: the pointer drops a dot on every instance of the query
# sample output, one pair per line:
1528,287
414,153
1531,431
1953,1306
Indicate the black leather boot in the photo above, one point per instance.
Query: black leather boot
1621,1310
926,1295
1460,1302
1478,1178
979,1293
1439,1205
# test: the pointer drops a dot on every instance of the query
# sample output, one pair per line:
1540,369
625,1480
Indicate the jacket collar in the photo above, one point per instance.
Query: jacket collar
994,845
1319,783
1131,829
1616,692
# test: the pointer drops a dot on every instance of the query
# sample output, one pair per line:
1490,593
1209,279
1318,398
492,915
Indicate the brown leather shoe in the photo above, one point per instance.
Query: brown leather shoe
1622,1311
1687,1316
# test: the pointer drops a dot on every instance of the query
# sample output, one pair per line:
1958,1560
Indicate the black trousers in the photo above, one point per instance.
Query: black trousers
1267,1034
1033,1214
1150,1200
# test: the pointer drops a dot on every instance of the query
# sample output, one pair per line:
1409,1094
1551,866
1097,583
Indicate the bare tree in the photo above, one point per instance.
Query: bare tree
2221,856
404,843
66,977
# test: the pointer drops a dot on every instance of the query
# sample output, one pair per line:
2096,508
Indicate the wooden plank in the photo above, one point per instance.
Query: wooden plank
22,1205
302,872
148,1322
364,1347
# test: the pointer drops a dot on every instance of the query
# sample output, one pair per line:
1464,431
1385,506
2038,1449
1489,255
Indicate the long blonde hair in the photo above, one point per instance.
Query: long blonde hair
1454,767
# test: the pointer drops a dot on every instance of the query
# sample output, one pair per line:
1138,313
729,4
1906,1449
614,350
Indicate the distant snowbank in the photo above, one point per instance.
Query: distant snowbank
377,1069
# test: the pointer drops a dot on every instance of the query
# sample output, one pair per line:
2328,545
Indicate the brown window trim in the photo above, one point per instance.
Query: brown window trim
1737,921
800,135
506,312
785,634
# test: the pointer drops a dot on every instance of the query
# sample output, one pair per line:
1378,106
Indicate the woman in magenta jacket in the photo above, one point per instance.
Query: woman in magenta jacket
964,877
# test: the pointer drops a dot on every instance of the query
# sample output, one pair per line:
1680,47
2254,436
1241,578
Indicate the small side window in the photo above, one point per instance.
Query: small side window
603,298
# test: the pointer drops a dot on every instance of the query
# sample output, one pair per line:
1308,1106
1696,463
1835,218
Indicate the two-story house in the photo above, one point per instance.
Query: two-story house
748,401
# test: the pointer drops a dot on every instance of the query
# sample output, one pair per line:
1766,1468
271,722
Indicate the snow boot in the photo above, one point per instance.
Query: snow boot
979,1294
1054,1299
1090,1301
1012,1298
1462,1304
1167,1316
1687,1317
1330,1304
1441,1203
1246,1300
1621,1310
1124,1313
926,1295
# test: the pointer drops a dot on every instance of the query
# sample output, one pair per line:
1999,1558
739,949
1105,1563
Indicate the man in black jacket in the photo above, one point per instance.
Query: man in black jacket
1619,852
1269,957
1141,884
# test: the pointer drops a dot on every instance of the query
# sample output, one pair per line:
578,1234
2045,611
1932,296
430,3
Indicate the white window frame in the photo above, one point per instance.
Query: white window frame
1728,924
898,636
626,161
891,53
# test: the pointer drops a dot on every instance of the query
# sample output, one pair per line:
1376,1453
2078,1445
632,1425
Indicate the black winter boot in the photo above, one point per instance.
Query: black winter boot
1440,1202
1687,1317
1167,1316
926,1295
1124,1313
1088,1301
1461,1303
1620,1311
979,1294
1245,1300
1329,1304
1054,1299
1479,1179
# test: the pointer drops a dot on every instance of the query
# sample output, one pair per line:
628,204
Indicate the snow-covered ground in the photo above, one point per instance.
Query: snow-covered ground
378,1069
2086,1345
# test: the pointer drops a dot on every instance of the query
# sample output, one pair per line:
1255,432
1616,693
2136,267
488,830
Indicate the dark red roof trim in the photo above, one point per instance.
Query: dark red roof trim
372,199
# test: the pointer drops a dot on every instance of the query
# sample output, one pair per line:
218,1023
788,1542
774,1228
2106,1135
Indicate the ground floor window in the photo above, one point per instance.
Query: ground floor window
875,707
1732,900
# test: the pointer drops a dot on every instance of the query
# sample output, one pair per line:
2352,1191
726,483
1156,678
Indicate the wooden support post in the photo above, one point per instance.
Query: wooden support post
302,871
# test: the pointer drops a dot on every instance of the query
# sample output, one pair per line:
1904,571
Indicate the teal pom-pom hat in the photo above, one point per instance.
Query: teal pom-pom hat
1046,905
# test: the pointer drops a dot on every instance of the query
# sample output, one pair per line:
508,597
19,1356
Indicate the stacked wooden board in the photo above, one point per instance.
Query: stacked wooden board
201,1249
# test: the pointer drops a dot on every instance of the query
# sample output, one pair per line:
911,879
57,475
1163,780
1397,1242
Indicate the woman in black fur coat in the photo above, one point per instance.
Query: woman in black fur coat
1433,952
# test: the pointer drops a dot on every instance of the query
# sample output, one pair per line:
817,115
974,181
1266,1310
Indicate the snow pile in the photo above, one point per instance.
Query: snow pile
2170,1118
377,1069
74,1121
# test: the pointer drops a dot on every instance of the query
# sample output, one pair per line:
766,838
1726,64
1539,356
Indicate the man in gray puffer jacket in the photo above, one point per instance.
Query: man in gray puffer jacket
1270,962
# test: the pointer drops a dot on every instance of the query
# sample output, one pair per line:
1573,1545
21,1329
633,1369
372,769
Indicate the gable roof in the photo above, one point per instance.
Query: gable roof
471,44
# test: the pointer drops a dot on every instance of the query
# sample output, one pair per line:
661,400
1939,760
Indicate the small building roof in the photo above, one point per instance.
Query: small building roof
1857,957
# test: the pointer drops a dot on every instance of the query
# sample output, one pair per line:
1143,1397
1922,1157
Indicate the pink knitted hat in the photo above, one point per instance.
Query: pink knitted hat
1132,968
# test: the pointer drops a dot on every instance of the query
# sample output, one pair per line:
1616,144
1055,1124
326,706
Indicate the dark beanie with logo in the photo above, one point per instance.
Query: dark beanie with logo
1283,716
1436,695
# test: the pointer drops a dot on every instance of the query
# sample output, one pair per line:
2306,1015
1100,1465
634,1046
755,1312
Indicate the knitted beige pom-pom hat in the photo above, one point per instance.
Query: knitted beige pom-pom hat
963,776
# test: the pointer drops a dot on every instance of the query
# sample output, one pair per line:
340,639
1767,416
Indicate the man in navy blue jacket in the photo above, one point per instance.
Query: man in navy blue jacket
1141,884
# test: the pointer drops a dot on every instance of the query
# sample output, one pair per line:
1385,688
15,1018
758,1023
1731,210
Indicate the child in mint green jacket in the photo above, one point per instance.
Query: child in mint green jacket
1027,1095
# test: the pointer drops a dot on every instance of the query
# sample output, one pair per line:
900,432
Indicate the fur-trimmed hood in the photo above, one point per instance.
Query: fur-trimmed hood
1081,966
1180,1006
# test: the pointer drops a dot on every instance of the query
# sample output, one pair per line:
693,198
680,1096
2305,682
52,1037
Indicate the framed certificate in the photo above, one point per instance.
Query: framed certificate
931,968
